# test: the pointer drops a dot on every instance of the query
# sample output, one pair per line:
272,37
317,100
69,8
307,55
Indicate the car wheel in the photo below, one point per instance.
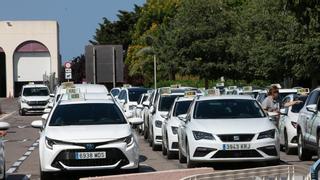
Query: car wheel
304,154
318,143
145,132
164,149
45,175
182,158
288,150
150,138
190,164
170,154
22,112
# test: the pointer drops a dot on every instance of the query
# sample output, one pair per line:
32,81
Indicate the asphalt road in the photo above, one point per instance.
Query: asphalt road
22,161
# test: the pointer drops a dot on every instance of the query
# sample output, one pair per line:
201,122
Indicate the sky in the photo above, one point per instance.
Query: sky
78,19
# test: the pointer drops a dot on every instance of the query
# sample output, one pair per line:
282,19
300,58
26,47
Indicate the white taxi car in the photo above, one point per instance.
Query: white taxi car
288,122
159,112
171,124
227,129
86,132
34,98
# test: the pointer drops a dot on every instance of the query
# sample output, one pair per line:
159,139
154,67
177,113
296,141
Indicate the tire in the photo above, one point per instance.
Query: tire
288,150
318,143
164,149
22,112
190,164
170,154
182,158
145,133
303,154
45,175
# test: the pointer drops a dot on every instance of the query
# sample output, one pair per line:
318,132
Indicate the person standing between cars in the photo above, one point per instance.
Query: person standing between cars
270,104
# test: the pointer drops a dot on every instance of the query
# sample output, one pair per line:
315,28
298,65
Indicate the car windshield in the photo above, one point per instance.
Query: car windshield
227,109
166,102
87,114
181,107
134,94
283,95
297,107
115,92
36,91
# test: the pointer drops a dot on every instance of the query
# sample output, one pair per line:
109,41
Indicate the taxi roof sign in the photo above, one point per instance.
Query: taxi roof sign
75,96
175,86
72,90
126,86
66,85
220,84
190,93
213,92
247,88
232,87
165,90
303,91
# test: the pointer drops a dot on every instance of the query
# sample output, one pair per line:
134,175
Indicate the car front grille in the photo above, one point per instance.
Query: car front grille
237,154
236,137
67,157
37,103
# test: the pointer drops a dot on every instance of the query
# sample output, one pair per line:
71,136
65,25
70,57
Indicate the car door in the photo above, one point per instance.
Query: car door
314,124
309,117
284,118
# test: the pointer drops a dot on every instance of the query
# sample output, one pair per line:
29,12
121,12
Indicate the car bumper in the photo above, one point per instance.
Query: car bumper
292,138
173,144
157,135
36,109
118,156
213,151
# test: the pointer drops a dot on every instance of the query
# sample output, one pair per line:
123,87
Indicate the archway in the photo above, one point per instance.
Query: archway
3,74
31,63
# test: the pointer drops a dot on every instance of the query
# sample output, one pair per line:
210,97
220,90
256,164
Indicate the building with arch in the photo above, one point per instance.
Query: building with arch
29,52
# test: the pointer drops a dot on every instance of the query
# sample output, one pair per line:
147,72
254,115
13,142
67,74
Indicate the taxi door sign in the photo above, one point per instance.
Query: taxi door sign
303,91
165,90
213,92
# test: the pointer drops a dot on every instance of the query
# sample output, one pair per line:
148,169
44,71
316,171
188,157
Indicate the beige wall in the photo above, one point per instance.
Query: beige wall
13,33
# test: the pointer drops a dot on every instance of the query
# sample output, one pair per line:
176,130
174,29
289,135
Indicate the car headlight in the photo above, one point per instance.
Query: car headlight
158,123
174,130
198,135
267,134
128,140
50,143
24,101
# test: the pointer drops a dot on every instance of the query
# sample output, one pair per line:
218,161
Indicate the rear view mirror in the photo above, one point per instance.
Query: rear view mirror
183,117
4,126
312,108
152,109
52,95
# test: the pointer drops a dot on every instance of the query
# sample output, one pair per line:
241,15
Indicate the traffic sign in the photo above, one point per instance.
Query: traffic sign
68,76
68,70
67,65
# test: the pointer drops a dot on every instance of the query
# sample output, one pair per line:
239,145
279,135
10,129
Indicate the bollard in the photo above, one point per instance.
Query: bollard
314,169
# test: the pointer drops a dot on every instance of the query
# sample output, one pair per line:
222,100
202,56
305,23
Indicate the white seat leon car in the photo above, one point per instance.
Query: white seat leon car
87,133
171,124
227,129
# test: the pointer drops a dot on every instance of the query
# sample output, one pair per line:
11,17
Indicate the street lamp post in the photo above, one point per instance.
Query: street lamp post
155,71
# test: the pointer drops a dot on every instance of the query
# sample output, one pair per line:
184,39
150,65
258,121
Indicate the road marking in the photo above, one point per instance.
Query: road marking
7,115
18,163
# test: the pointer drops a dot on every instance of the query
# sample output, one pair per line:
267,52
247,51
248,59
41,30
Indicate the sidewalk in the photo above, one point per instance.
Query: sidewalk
8,105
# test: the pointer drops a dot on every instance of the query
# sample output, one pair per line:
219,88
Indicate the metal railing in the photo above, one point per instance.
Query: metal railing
283,172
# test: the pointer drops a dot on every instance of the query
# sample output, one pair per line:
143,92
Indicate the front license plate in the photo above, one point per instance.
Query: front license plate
90,155
236,146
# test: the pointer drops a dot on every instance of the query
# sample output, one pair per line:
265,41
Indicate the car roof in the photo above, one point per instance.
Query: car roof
185,99
86,88
245,97
34,85
88,98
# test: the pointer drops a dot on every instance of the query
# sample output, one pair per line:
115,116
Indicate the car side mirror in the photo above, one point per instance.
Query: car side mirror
44,116
165,116
312,108
122,101
4,126
140,106
284,111
183,117
47,110
128,114
146,103
135,121
51,95
37,124
152,109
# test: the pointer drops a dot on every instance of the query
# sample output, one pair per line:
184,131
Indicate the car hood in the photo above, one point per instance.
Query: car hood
36,98
92,133
174,121
293,116
233,126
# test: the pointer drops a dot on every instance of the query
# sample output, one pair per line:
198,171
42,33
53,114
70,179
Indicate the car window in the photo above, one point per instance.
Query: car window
284,101
297,107
165,102
87,114
228,109
36,91
122,94
313,98
181,107
135,93
115,92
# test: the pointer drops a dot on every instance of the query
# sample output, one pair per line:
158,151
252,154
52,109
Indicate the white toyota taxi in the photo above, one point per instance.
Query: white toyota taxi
86,132
171,124
227,129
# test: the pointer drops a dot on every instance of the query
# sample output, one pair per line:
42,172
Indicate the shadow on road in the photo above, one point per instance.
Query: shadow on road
17,177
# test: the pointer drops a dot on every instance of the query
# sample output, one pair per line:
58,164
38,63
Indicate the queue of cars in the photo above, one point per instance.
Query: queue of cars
85,127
